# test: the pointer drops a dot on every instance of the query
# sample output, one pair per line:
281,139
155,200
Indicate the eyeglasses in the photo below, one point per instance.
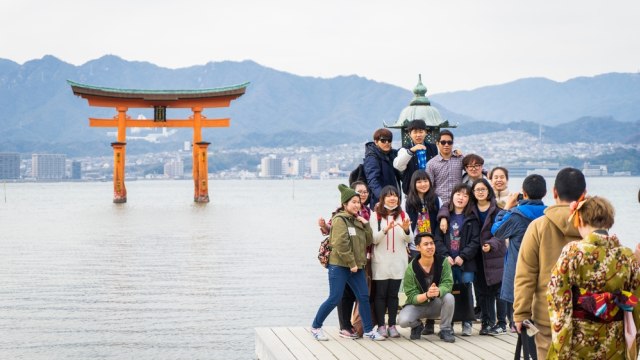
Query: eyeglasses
480,190
362,192
475,166
385,141
446,142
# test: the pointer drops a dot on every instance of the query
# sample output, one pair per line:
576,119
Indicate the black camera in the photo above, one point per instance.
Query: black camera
520,196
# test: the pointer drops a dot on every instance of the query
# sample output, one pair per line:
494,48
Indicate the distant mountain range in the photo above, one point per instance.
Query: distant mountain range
38,111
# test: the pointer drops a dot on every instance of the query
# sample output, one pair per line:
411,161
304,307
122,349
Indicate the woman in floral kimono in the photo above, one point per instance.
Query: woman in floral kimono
593,290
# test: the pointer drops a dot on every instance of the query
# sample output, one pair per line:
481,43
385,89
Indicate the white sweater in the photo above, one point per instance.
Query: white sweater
390,259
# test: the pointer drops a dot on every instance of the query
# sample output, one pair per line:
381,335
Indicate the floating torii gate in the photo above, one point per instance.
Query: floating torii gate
124,99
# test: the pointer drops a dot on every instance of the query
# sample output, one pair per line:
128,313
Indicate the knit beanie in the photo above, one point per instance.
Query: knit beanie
346,193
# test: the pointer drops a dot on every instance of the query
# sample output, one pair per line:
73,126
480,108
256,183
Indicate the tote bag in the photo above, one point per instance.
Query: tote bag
463,295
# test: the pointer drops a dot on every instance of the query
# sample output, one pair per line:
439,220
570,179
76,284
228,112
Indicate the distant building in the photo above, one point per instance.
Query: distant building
76,170
174,168
271,166
595,170
292,167
318,165
48,166
9,166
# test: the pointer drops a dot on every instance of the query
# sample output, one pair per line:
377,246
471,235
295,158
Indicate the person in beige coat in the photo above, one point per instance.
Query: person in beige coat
391,234
541,246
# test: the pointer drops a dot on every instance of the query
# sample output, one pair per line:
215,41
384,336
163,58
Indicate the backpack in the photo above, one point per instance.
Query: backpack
357,174
324,252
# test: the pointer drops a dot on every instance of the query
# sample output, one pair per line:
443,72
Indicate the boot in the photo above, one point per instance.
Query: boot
416,331
428,327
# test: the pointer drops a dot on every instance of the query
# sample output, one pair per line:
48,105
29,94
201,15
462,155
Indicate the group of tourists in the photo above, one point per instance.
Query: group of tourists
429,219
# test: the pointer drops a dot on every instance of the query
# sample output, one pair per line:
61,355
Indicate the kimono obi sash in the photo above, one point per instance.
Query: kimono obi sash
604,307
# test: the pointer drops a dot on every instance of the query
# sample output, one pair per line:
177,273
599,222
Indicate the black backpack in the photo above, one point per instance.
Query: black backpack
357,175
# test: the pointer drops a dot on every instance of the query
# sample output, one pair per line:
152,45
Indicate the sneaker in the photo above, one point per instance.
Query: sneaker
382,330
393,332
466,329
447,336
497,330
374,335
477,312
428,328
485,329
318,334
344,333
415,332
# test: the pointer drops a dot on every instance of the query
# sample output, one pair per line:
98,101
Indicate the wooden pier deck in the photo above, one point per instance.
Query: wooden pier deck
289,343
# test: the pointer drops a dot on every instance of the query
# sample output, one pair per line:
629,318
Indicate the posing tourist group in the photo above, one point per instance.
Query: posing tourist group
431,222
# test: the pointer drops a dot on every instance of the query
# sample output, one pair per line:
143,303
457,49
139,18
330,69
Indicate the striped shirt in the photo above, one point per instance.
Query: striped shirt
445,174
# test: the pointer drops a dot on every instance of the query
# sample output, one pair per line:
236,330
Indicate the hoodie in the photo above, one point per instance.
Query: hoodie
511,224
541,246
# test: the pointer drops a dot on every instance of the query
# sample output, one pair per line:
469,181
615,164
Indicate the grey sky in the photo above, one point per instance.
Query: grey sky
456,45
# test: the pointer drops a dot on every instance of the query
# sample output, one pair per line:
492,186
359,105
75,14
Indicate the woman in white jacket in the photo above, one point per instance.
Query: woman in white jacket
391,234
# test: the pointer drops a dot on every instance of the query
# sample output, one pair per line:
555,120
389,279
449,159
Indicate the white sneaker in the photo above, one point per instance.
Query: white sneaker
318,334
373,335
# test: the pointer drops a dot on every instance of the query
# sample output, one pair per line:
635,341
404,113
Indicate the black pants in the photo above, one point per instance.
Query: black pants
345,308
490,303
386,300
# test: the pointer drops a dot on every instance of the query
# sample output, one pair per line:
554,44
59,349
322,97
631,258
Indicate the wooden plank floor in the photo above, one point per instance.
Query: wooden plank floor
297,343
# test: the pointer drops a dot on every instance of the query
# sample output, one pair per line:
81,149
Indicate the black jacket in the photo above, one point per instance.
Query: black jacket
379,170
469,243
412,165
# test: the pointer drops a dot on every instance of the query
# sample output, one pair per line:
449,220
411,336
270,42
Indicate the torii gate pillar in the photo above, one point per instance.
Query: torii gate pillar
200,172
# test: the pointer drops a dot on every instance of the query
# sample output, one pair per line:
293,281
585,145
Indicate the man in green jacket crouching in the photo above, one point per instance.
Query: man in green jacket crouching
427,285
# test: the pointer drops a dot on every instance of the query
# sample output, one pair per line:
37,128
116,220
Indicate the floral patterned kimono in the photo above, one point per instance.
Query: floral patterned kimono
596,264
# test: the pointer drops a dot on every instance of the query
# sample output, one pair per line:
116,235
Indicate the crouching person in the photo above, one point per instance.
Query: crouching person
427,285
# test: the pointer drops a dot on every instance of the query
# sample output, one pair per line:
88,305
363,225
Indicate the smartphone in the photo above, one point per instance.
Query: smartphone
520,196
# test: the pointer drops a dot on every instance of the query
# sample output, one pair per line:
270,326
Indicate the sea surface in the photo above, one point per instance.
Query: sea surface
163,278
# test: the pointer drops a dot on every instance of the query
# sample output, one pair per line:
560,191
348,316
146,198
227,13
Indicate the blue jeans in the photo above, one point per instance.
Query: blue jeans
460,276
339,276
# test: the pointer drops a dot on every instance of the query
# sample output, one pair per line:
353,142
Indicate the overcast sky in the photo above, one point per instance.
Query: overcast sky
455,45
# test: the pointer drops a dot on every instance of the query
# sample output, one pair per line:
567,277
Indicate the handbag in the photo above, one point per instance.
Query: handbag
525,346
463,295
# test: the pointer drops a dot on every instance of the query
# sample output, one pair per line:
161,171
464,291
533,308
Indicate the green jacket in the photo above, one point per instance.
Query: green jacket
412,287
349,250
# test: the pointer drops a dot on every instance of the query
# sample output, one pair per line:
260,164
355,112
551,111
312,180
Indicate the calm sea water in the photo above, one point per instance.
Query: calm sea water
162,277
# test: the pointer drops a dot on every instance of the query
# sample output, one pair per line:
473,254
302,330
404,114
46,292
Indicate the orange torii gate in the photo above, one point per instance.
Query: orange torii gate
124,99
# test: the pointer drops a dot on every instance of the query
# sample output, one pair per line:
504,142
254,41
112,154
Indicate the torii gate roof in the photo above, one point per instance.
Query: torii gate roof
157,97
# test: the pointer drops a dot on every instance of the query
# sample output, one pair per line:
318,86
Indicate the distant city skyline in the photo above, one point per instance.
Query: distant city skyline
458,45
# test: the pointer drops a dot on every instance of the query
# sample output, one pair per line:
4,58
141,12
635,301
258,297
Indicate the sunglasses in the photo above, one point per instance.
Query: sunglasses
446,142
385,141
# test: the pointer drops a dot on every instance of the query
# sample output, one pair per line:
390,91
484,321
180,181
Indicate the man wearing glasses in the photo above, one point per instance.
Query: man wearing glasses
378,164
445,170
472,164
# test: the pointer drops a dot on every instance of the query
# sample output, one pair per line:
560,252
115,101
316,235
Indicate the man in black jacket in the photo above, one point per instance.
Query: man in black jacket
416,156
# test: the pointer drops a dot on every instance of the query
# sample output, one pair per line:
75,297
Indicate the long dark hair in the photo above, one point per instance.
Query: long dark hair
413,198
461,187
490,195
380,209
